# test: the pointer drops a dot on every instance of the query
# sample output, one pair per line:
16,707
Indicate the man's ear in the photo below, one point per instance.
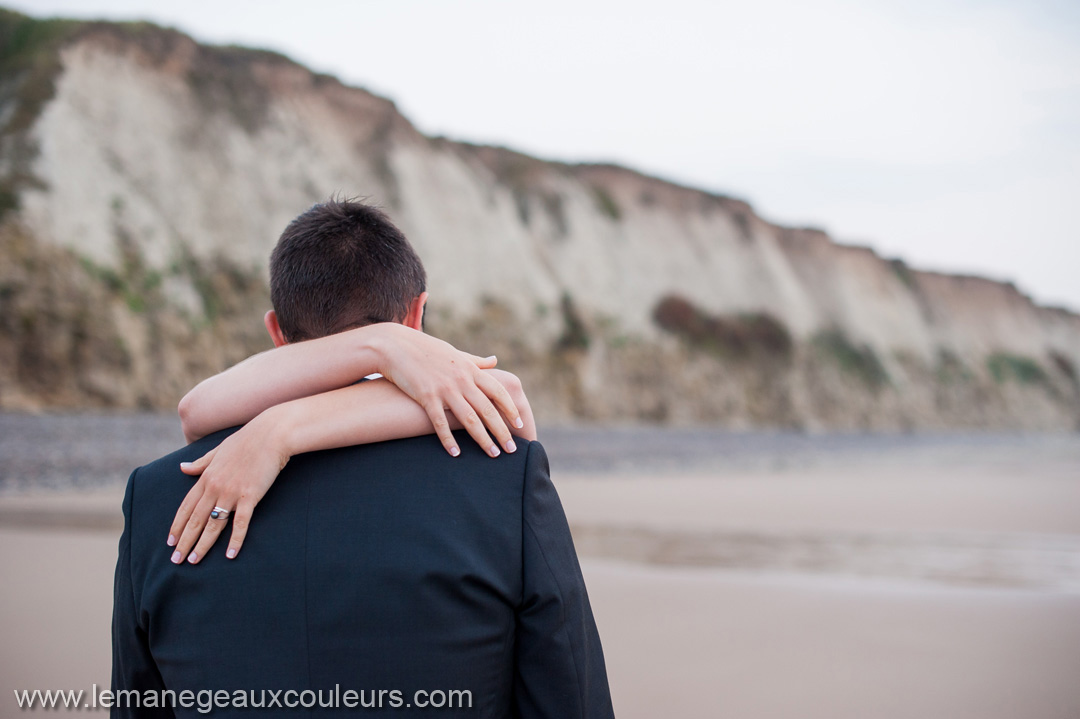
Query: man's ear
272,326
415,316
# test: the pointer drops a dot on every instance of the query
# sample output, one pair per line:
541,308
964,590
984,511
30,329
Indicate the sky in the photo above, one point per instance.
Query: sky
944,132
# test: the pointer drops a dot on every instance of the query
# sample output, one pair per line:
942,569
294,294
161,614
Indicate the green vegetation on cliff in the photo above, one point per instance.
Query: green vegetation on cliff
859,361
1004,366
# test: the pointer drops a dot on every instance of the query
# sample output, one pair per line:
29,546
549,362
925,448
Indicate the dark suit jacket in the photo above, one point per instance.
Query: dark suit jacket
390,567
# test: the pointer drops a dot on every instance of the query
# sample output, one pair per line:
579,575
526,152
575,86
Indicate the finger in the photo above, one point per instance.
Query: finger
485,362
198,466
495,390
470,420
437,414
491,418
210,534
241,519
184,512
193,529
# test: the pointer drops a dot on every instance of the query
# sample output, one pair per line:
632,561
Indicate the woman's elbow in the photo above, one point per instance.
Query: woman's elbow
188,418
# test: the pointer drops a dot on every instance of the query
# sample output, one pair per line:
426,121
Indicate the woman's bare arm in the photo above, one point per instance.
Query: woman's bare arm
237,474
374,411
432,372
284,373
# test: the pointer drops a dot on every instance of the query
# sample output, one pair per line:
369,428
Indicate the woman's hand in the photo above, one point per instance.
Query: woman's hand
235,475
439,377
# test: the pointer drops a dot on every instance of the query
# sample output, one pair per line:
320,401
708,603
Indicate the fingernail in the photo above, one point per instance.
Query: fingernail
454,451
510,446
493,451
171,541
187,465
519,424
176,557
491,357
231,554
193,557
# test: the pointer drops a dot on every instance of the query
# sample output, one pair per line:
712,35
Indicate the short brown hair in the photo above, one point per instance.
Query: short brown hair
342,264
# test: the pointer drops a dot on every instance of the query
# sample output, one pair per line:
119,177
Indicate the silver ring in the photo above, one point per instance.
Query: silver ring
219,513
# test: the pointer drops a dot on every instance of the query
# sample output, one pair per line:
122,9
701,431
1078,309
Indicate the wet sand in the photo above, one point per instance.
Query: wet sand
987,528
709,643
683,642
55,610
944,585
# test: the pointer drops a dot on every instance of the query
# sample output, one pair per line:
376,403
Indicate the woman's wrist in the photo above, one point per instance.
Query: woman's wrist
275,427
376,344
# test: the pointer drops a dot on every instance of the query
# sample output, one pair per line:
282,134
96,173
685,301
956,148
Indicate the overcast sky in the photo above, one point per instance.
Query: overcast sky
945,132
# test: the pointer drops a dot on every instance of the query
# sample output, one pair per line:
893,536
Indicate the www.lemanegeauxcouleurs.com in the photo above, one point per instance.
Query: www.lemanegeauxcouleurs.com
206,701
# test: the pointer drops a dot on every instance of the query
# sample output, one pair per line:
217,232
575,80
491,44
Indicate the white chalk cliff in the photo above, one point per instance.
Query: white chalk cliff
145,178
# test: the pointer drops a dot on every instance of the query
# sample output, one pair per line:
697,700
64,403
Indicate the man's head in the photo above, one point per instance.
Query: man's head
342,264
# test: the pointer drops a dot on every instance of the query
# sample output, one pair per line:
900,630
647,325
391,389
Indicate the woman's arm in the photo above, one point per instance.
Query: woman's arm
337,419
238,472
430,371
241,392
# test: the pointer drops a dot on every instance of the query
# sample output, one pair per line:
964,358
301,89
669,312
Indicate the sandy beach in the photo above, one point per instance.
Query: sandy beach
895,586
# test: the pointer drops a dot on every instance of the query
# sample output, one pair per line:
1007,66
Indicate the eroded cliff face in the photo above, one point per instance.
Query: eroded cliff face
146,178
